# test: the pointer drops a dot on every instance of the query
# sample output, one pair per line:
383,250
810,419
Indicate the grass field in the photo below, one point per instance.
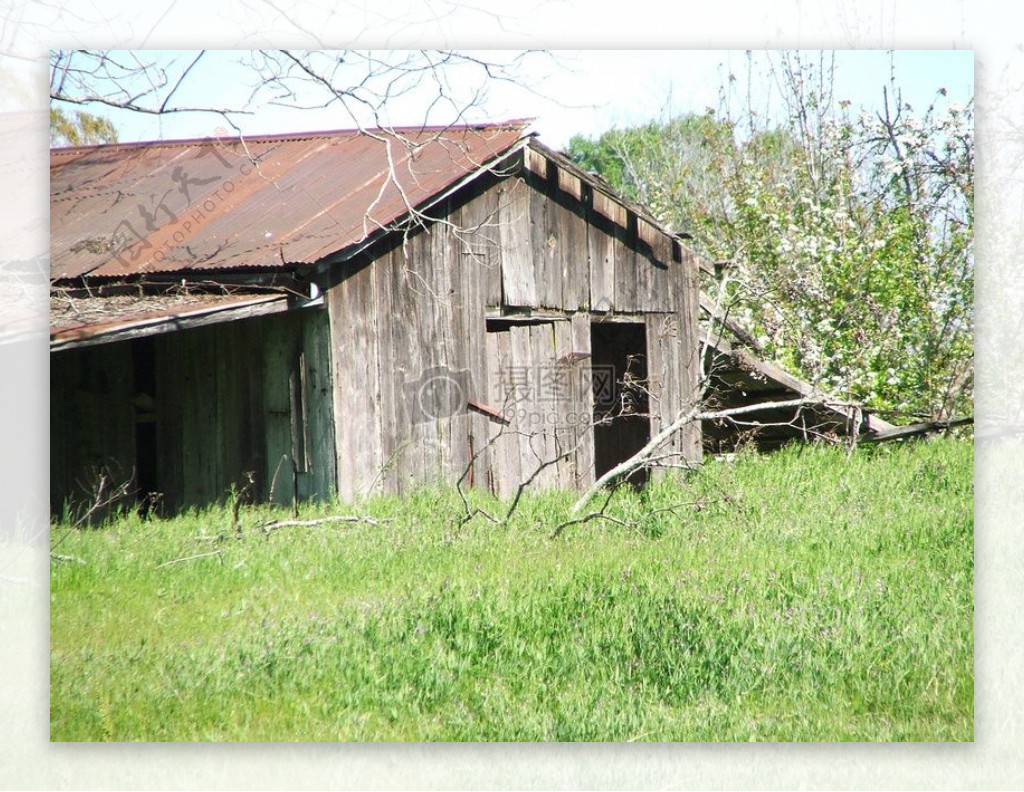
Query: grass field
801,596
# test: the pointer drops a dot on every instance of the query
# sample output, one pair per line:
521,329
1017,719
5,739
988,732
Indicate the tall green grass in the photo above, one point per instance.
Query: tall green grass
807,595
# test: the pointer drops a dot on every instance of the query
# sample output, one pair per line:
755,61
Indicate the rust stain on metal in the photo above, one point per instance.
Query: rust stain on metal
209,204
75,318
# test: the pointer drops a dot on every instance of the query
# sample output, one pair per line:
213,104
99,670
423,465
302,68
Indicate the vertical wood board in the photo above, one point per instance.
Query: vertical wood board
583,400
318,483
356,385
519,286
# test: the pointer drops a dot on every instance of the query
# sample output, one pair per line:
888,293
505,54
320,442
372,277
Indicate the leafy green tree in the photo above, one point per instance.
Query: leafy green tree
850,236
79,129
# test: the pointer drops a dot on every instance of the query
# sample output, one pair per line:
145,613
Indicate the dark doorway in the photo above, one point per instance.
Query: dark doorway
621,403
144,404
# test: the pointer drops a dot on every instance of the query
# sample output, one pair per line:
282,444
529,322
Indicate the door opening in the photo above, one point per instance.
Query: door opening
621,404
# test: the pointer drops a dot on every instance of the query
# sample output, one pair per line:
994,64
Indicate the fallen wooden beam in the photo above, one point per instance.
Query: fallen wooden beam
708,306
916,430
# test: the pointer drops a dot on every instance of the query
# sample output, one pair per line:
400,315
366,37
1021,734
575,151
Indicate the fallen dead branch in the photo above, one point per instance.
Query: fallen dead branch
698,505
588,518
66,558
601,514
642,458
188,558
349,518
104,496
238,496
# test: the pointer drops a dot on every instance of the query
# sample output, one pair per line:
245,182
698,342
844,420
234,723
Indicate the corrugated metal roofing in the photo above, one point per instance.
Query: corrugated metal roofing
205,204
75,319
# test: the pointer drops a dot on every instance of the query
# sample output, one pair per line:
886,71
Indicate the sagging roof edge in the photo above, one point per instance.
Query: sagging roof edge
234,310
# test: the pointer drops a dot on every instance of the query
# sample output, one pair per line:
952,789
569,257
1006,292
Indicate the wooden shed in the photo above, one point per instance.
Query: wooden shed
355,312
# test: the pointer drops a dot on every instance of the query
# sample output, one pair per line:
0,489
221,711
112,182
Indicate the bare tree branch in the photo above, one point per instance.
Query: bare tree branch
643,456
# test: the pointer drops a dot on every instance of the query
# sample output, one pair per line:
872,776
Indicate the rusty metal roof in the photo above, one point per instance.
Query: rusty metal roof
211,204
77,320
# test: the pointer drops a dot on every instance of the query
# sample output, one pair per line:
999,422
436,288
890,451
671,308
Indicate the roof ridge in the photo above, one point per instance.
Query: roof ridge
518,124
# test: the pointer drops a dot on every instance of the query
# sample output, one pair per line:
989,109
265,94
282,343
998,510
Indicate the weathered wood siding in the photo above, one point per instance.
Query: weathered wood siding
687,372
409,351
585,250
539,378
231,399
320,481
671,371
246,397
411,309
297,410
204,396
92,422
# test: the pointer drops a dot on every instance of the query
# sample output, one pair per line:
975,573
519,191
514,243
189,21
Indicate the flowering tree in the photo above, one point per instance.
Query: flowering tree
850,236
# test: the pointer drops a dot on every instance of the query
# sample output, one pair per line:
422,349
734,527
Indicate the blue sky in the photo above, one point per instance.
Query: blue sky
579,92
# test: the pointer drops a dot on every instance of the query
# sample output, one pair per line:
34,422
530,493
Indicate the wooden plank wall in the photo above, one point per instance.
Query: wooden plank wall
209,412
539,240
539,377
92,421
587,251
581,383
296,365
277,484
515,223
319,481
612,264
669,374
687,295
224,409
405,332
505,470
